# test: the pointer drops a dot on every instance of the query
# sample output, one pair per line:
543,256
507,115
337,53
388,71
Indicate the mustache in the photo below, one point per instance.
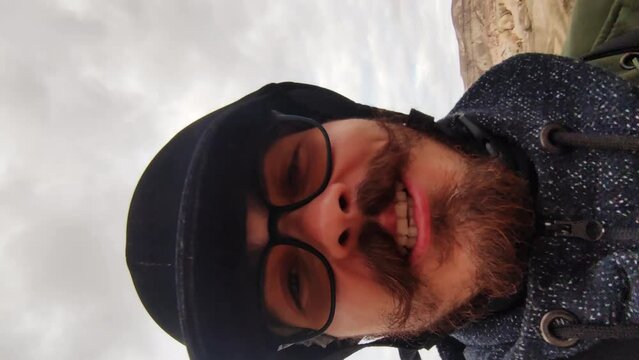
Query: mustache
390,269
377,191
375,194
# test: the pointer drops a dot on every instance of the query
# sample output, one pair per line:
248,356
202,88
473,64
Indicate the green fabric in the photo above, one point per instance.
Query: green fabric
596,21
588,17
623,16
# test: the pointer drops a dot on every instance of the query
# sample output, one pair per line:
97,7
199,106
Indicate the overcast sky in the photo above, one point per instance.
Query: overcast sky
90,91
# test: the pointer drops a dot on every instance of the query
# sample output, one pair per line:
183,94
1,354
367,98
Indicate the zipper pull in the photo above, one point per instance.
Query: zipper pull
590,230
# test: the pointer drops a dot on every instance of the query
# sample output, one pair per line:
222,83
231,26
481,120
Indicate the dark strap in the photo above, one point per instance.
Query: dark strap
404,354
409,354
419,121
341,349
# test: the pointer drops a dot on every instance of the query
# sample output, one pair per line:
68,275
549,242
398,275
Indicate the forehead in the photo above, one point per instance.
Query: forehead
256,224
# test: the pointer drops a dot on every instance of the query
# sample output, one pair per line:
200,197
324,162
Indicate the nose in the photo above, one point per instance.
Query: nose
330,222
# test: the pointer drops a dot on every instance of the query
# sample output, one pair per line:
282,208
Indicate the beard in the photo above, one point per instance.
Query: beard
488,213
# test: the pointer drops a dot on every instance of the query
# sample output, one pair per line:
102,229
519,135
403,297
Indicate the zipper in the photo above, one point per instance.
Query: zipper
590,230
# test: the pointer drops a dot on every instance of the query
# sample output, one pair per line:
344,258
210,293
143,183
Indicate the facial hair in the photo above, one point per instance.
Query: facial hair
488,213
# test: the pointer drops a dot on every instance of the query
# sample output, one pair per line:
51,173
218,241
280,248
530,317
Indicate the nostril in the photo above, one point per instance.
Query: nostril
343,203
343,238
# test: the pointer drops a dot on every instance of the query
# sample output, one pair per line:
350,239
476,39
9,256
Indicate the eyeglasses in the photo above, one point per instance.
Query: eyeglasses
297,283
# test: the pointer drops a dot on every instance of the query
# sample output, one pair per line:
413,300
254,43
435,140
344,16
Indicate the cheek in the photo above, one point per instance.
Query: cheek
355,140
350,162
361,303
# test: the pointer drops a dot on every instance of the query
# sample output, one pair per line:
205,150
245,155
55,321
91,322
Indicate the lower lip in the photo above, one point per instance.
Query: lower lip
421,213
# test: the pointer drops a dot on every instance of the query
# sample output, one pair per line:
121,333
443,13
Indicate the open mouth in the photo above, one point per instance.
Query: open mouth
406,230
407,218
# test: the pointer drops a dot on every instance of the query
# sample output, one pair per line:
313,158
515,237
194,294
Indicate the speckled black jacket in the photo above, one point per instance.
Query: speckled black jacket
595,280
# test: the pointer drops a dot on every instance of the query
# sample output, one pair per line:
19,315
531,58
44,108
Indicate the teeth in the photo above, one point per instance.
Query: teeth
410,243
412,231
406,229
401,209
402,226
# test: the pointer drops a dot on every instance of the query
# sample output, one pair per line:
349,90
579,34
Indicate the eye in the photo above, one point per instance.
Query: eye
294,287
293,170
292,180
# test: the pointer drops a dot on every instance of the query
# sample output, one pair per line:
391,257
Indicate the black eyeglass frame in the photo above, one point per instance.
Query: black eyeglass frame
274,214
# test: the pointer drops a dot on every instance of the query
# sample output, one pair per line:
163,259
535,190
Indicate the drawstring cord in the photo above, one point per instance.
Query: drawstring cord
555,138
602,142
600,332
561,328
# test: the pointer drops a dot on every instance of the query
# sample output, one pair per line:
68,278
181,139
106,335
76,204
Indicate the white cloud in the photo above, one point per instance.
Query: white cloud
90,90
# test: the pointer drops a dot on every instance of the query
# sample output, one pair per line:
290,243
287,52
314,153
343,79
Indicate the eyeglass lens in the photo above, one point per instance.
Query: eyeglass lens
295,163
296,289
296,282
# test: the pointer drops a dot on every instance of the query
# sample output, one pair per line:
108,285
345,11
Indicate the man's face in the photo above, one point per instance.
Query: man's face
399,271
